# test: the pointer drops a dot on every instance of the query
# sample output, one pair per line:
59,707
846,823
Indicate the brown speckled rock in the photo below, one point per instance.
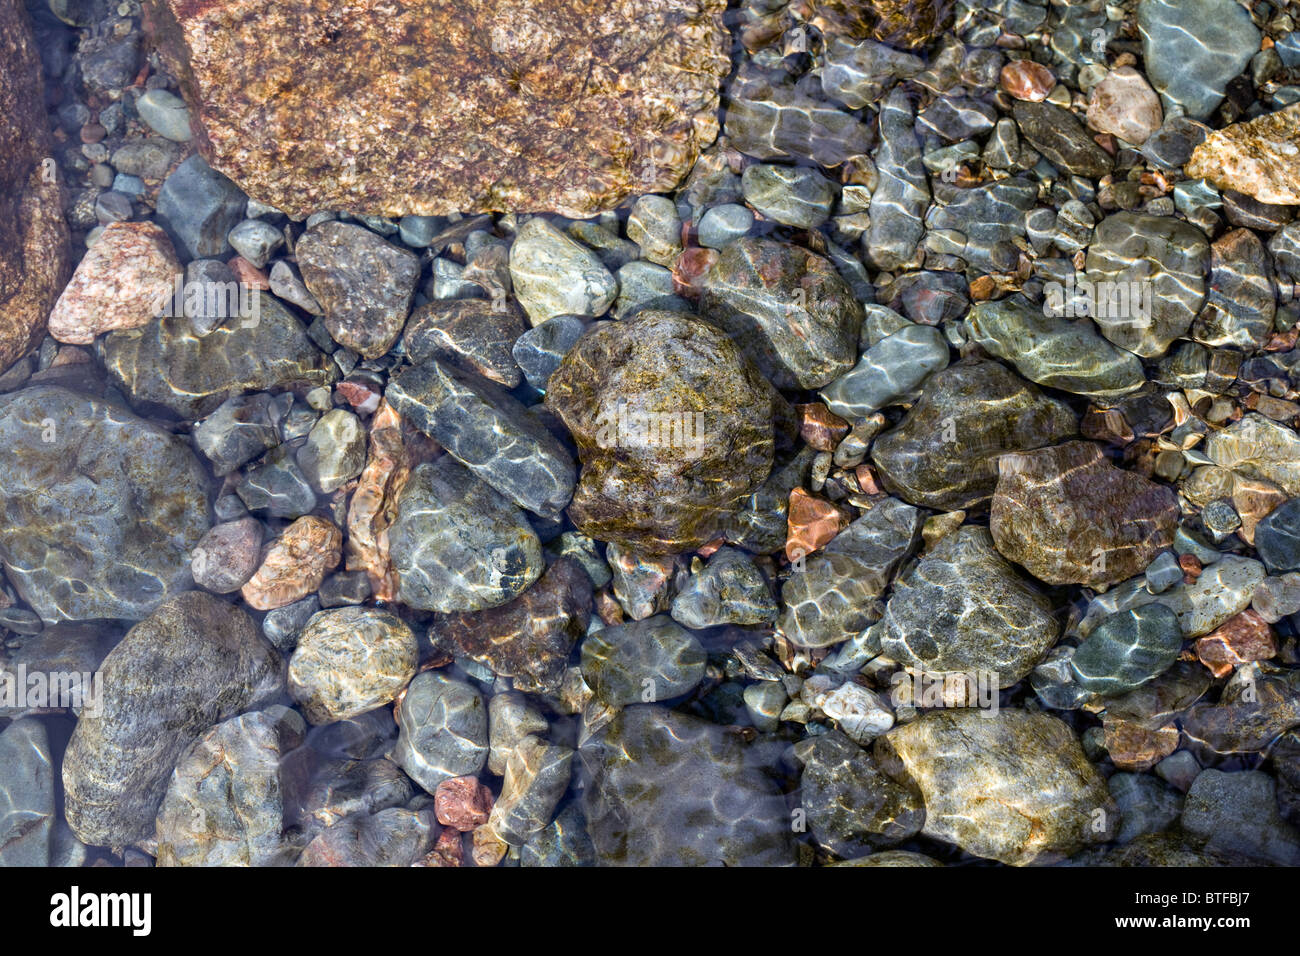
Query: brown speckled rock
363,283
120,284
33,234
1068,516
530,638
1257,158
350,660
434,106
673,426
906,24
295,565
1012,786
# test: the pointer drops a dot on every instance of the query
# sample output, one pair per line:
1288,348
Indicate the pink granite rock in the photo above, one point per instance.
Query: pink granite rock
122,282
1124,105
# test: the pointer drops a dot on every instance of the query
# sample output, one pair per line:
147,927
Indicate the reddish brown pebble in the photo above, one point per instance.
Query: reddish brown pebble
867,480
1191,566
92,133
249,274
1134,748
295,565
71,355
607,608
362,396
1254,499
462,803
710,548
812,524
691,267
389,462
821,428
1027,80
449,850
1242,638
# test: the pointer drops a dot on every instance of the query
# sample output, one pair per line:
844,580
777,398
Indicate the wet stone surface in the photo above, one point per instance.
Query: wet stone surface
801,433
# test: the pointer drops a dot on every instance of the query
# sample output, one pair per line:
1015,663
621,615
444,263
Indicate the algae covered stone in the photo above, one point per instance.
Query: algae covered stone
167,367
674,428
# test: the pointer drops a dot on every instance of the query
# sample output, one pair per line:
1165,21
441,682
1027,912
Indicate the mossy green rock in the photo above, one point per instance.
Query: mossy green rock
166,366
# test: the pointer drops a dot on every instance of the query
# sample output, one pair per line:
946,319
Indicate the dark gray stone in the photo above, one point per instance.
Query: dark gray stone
489,432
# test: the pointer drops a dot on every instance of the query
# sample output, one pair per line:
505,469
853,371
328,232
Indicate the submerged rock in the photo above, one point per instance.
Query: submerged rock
444,730
835,595
101,508
673,427
27,814
1127,649
650,660
852,807
528,639
900,200
567,106
488,431
192,663
457,545
1013,786
166,366
1069,516
944,452
225,804
1054,351
34,250
1193,49
363,283
963,607
350,660
392,837
1152,270
1257,158
788,310
673,790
